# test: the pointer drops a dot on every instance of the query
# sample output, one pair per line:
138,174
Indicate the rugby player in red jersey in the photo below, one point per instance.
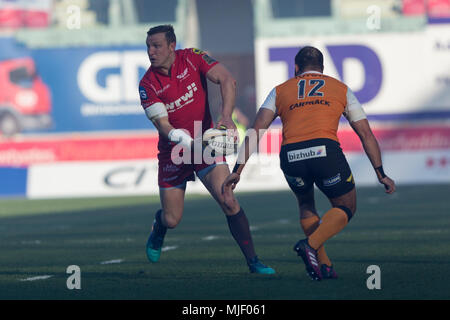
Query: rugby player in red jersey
174,96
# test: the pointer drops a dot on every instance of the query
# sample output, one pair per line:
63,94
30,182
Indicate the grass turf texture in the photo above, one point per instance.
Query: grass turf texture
407,235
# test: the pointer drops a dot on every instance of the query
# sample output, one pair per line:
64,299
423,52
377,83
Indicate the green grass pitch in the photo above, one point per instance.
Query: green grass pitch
407,235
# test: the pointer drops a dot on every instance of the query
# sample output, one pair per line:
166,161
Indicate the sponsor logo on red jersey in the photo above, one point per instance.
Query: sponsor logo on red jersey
183,100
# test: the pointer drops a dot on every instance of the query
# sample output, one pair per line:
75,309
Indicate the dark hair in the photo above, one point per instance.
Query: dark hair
167,29
309,57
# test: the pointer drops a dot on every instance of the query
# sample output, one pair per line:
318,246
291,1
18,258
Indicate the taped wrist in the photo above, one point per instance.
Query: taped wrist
379,170
238,167
181,137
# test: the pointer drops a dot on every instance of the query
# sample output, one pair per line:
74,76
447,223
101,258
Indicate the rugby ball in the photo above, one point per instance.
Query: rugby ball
220,142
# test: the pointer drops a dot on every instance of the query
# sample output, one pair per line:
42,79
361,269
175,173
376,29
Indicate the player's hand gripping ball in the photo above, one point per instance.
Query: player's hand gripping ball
220,141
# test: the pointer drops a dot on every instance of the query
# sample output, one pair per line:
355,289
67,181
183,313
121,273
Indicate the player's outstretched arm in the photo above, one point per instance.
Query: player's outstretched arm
372,149
264,118
220,75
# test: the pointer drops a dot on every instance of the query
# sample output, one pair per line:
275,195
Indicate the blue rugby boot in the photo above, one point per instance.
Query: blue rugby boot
257,266
156,239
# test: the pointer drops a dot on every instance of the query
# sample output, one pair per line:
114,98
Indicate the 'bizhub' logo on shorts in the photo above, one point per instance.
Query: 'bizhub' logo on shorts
307,153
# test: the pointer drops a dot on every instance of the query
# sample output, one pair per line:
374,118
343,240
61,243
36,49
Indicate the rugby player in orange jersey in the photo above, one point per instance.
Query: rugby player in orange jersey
310,106
174,96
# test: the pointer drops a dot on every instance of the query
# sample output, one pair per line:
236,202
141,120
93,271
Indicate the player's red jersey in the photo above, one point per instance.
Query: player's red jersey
183,92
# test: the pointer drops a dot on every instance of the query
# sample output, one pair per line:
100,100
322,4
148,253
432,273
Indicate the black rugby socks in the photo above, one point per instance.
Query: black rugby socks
159,229
240,230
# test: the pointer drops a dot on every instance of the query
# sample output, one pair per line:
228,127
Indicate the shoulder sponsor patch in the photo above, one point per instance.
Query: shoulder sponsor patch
208,59
143,93
197,51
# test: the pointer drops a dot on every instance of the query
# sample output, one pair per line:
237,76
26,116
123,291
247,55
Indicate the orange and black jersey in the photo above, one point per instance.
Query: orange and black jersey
310,106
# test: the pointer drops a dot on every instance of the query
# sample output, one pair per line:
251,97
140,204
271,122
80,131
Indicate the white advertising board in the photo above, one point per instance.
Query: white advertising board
390,73
262,173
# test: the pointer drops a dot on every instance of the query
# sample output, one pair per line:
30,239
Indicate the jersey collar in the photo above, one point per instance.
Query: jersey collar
312,71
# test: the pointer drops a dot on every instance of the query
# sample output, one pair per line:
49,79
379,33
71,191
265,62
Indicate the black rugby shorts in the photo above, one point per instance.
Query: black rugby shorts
319,161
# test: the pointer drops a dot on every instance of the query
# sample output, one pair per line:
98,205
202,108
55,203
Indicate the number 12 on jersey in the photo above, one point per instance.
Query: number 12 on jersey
314,91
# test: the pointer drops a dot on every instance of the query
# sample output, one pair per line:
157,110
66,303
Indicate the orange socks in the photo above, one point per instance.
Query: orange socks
309,225
333,221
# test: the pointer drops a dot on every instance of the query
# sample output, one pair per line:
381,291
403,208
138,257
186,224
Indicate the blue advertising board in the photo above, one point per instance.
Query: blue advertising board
13,181
94,88
91,88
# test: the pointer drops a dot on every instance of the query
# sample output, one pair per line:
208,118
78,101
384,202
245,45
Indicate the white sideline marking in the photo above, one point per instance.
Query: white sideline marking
163,249
36,278
254,228
112,261
209,238
283,221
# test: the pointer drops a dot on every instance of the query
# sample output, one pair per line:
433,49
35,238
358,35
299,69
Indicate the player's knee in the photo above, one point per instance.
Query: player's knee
229,206
347,202
352,207
230,210
348,211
